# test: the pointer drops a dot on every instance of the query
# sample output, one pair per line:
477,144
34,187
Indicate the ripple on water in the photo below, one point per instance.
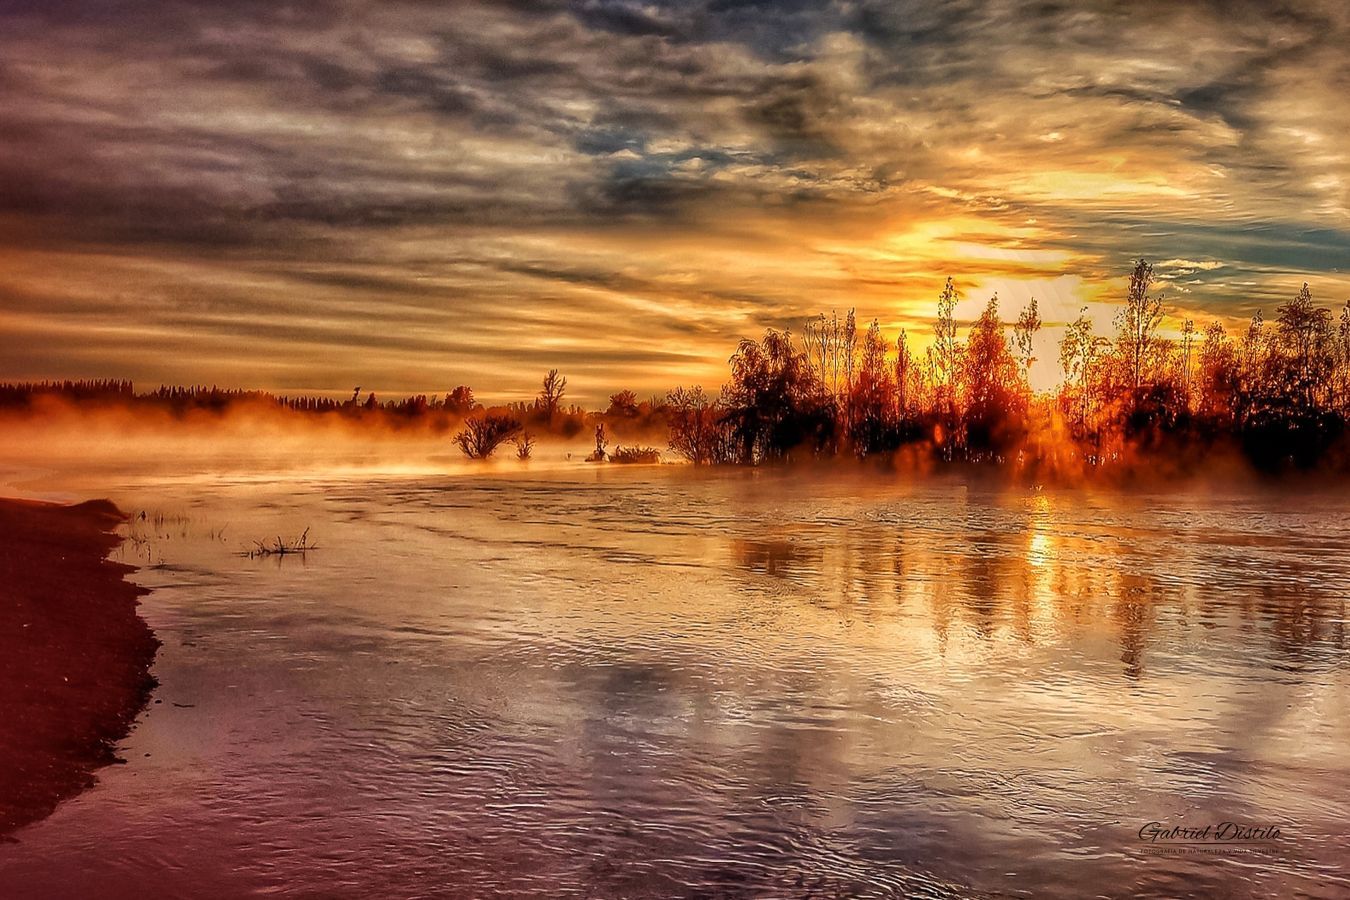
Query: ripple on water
672,685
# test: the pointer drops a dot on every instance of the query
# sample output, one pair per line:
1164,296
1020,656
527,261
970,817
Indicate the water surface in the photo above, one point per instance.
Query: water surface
663,682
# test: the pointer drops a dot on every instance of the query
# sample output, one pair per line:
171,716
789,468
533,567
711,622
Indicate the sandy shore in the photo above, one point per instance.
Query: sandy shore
74,655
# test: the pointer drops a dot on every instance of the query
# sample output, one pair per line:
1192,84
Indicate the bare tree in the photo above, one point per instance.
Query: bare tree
945,354
904,376
1137,324
550,397
945,362
1079,352
830,346
1187,350
1024,334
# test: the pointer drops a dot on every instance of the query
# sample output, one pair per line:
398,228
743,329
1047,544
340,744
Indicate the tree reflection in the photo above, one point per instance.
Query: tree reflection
1035,581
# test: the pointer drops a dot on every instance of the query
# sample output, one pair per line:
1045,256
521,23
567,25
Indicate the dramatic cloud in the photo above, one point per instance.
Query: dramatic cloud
412,195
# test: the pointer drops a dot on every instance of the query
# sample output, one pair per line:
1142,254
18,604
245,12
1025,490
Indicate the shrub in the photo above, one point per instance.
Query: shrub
483,435
524,445
635,455
698,427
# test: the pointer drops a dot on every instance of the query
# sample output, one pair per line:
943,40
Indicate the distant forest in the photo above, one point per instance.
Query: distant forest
1278,395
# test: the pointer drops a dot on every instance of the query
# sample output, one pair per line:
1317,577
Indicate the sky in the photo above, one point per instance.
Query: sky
407,196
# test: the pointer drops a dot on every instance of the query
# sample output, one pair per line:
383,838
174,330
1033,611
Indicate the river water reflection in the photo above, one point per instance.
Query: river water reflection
662,682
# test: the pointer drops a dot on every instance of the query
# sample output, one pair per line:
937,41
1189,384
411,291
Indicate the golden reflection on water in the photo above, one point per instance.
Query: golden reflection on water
1063,584
670,682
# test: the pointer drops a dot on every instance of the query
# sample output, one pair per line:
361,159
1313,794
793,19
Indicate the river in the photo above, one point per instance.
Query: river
656,681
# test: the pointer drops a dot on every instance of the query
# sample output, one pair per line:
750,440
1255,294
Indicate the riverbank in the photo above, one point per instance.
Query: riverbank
74,655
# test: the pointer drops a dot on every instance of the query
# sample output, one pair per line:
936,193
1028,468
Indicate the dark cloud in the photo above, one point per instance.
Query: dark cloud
623,17
746,160
435,92
795,117
636,194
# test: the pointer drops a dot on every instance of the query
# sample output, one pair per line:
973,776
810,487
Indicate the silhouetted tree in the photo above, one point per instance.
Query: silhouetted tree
1137,323
1217,381
871,427
698,428
1286,413
1305,357
995,403
623,404
1341,390
1024,334
1282,391
601,443
524,445
482,435
1187,350
99,391
1080,353
550,396
829,348
774,402
944,371
460,401
909,391
945,354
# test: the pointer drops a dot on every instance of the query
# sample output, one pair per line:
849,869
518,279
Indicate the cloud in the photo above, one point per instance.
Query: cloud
1192,265
282,183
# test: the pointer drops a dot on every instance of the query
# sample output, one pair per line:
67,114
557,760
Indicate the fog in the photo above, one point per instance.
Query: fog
244,440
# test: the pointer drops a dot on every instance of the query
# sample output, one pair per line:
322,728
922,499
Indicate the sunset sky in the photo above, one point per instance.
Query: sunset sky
410,195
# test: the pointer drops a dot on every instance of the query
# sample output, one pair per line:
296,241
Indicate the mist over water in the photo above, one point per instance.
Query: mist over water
575,681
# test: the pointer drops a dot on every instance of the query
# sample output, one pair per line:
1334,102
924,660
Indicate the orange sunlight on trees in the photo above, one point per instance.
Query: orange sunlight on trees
1279,396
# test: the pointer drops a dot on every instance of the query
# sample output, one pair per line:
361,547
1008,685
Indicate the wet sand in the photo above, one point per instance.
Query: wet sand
74,655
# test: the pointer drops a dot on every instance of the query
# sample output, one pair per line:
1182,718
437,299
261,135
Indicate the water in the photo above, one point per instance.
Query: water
662,682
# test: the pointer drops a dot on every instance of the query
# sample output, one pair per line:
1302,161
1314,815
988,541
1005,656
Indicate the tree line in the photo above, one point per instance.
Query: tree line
437,411
477,429
1278,393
